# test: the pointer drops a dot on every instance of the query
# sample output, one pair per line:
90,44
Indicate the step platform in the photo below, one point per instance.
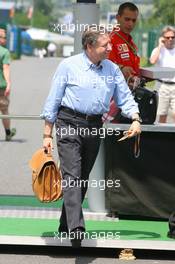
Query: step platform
26,221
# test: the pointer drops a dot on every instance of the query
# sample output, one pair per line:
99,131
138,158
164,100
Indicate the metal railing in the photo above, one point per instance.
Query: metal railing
25,117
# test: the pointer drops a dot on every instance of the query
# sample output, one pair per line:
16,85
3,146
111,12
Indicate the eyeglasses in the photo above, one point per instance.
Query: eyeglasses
170,37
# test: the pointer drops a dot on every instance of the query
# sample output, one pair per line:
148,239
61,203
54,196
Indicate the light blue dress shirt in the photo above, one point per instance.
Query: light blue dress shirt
88,88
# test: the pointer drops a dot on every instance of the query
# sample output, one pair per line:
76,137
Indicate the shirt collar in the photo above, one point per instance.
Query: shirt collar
89,65
128,37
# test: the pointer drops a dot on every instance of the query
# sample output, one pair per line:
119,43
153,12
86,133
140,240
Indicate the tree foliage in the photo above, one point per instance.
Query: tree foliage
39,20
42,15
21,19
164,12
44,6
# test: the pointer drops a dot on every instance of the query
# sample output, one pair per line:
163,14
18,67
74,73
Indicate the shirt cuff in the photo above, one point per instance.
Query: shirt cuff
47,118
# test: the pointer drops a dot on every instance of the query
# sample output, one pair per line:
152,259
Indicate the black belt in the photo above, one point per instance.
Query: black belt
166,82
81,115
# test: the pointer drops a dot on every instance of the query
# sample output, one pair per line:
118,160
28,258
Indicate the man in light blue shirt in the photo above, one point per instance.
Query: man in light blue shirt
82,88
87,88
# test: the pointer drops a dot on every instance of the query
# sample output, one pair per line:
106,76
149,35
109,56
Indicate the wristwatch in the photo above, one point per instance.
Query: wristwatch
138,119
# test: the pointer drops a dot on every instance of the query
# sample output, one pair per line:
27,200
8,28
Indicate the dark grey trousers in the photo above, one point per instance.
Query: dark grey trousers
77,151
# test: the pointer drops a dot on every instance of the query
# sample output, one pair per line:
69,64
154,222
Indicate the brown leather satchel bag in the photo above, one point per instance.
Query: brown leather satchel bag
46,177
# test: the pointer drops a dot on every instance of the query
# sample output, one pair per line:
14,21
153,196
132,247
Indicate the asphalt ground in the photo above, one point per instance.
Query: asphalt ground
31,79
53,255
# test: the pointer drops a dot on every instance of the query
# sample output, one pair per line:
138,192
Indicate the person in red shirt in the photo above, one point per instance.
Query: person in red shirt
124,50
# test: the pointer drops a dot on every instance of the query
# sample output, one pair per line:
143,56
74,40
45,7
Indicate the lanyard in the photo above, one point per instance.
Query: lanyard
131,47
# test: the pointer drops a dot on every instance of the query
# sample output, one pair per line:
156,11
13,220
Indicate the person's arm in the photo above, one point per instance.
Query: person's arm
156,52
127,71
53,103
6,73
56,94
47,137
155,55
124,100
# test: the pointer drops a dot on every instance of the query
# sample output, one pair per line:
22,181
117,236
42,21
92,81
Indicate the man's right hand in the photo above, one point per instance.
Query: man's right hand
47,137
48,145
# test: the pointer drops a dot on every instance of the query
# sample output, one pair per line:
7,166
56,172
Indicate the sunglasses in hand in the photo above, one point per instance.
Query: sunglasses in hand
125,135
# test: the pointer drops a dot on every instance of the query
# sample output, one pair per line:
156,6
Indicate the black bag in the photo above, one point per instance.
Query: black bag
171,232
147,102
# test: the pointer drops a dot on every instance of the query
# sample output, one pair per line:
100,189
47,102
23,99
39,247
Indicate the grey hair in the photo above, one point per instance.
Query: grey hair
91,35
166,29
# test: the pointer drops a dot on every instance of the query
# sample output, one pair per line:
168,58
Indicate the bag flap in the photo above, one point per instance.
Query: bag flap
39,159
47,186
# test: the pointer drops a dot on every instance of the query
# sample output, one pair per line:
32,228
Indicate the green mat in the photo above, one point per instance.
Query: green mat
31,201
122,229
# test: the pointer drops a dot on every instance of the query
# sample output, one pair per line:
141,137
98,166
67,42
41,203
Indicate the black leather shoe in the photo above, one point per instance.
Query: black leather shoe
76,236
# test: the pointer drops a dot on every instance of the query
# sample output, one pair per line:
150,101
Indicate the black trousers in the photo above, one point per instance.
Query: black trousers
78,146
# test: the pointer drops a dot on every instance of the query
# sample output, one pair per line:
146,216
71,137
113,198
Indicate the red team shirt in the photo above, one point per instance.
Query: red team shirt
122,54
